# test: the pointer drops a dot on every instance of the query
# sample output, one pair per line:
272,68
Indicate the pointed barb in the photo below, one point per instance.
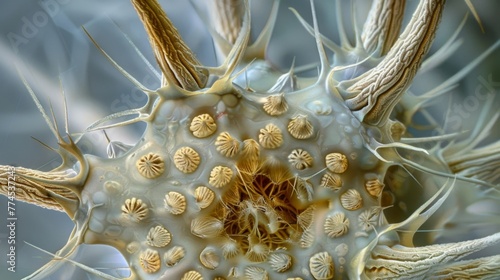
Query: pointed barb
344,40
475,14
325,65
115,64
177,62
51,266
259,47
328,43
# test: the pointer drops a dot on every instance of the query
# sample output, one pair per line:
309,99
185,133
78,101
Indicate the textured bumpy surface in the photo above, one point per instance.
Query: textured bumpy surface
247,172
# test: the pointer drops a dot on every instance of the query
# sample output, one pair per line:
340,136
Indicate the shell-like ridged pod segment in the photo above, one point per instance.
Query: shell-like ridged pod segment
331,181
280,262
270,137
351,200
276,170
150,261
227,145
300,128
150,166
175,203
220,176
174,255
250,154
256,273
192,275
230,249
336,225
133,247
186,159
300,159
321,266
304,189
336,162
306,218
251,149
206,227
307,238
203,126
369,219
158,237
374,187
257,253
135,209
209,258
204,196
275,105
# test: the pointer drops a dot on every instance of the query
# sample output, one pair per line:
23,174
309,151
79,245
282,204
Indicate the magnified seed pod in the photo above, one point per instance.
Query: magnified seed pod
192,275
158,237
369,218
280,262
307,238
270,137
204,196
251,149
331,181
250,155
186,159
206,227
336,162
175,203
336,225
203,126
174,255
300,127
220,176
150,166
275,174
257,253
230,248
321,266
275,105
150,261
209,258
300,159
257,273
374,187
135,209
351,200
306,218
227,145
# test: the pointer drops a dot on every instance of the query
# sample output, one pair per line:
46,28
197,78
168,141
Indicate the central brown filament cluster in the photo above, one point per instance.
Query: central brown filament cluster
258,210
